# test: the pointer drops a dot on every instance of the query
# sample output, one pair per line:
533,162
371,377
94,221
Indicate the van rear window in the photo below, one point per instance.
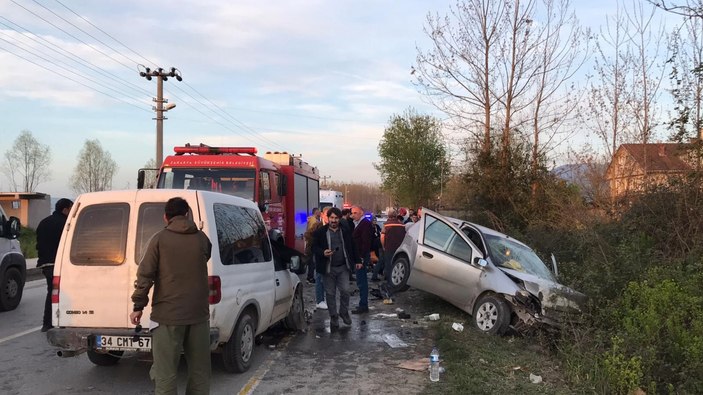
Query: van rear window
241,235
100,238
150,221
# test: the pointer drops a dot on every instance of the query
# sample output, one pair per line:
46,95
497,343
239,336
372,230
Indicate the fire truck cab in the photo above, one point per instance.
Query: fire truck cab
284,186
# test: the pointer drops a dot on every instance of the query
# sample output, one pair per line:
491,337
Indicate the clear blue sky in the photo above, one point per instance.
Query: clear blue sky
317,78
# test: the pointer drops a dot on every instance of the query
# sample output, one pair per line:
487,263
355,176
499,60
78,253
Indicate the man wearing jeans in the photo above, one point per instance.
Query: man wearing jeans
335,254
175,264
362,241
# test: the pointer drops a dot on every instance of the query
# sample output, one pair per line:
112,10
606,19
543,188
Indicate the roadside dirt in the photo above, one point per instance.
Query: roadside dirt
352,360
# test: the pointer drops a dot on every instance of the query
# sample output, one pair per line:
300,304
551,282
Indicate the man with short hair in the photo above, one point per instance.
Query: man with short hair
362,241
175,264
48,236
335,256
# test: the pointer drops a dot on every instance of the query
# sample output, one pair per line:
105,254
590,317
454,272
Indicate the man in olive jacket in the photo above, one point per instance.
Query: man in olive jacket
175,263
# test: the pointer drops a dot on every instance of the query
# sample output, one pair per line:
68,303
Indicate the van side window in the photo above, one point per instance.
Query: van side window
100,236
241,235
150,221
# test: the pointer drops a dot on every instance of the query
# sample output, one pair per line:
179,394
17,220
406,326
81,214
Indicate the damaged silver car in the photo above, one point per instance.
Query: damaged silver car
500,281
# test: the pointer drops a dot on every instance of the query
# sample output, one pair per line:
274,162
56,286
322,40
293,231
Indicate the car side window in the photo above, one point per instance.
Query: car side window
459,248
100,236
437,233
241,235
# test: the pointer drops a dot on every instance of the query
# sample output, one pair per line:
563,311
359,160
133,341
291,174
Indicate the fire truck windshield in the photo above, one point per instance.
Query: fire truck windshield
237,182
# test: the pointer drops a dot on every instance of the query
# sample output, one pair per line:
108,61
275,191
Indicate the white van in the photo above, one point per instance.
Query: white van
13,267
251,283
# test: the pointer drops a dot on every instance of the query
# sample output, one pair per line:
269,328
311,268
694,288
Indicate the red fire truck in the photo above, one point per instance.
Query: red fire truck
285,187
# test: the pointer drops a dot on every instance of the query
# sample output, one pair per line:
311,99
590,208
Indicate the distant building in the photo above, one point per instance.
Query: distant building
636,167
29,207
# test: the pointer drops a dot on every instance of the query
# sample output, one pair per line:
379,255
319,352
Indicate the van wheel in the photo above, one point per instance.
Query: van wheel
236,354
11,286
296,317
400,272
108,359
491,315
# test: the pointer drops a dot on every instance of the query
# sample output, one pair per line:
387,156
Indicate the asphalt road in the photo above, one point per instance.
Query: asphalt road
29,365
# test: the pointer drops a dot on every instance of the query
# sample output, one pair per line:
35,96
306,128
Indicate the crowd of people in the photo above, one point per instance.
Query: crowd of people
344,246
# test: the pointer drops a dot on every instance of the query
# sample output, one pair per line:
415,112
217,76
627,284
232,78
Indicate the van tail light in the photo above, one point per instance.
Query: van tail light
215,287
55,287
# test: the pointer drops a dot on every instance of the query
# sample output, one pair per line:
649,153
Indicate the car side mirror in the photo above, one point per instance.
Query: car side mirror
480,262
11,228
141,175
294,264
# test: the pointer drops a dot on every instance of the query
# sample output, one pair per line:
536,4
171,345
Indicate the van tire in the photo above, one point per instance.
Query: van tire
108,359
11,286
237,352
296,316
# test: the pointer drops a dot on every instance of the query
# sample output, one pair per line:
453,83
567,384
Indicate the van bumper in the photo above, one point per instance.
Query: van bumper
82,339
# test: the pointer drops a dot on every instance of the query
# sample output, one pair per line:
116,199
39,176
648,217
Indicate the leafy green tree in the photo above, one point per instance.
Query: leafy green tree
27,163
95,169
414,162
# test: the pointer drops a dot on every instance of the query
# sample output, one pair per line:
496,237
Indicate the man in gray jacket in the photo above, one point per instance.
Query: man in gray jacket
175,263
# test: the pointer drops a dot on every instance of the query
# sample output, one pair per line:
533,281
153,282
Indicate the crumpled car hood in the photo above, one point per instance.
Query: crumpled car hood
552,295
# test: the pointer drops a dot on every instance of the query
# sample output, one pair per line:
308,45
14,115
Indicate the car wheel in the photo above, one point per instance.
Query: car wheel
11,286
400,272
296,315
104,359
237,352
491,315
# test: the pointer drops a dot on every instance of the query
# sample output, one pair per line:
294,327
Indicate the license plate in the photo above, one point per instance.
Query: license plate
117,343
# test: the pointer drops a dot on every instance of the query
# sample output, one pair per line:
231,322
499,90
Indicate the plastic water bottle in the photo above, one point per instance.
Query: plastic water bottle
434,364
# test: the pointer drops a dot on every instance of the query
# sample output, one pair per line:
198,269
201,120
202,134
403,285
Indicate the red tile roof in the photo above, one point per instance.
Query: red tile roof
659,157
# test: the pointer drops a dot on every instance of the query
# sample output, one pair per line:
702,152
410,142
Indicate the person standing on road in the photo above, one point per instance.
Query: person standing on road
175,263
392,237
362,240
48,236
312,224
335,256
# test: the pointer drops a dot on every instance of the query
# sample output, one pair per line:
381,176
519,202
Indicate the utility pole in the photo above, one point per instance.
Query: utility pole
324,180
161,76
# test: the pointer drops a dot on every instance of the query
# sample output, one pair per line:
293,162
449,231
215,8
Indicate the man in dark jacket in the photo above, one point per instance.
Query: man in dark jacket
48,237
392,236
335,256
362,241
175,263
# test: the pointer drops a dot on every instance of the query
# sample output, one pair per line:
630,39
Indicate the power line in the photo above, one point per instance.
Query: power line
71,79
107,34
71,35
73,57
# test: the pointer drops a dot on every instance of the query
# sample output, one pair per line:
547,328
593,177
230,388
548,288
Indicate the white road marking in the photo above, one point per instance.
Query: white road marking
28,331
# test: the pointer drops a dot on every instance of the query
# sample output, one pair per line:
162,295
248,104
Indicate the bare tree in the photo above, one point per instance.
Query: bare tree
688,8
607,113
95,169
646,35
562,49
458,72
27,163
686,46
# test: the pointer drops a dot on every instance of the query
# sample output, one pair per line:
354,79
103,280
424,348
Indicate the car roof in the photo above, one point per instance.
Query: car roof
486,231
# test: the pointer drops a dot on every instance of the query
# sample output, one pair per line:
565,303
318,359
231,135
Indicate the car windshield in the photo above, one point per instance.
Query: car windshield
509,254
237,182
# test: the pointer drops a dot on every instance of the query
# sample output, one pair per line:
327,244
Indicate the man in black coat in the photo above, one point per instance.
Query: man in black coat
335,256
48,237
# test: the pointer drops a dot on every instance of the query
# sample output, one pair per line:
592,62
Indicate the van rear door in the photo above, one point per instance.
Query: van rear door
94,268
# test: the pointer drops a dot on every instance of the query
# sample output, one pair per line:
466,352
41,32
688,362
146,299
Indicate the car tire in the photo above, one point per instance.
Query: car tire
104,359
400,272
11,287
237,352
296,316
491,315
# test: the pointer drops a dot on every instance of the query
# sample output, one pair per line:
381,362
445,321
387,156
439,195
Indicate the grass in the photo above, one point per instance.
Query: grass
28,242
476,363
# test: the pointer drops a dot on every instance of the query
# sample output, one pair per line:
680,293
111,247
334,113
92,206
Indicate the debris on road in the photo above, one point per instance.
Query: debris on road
458,327
393,340
433,317
534,379
385,315
418,365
